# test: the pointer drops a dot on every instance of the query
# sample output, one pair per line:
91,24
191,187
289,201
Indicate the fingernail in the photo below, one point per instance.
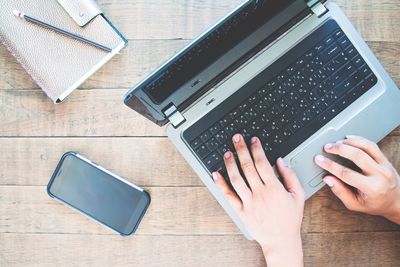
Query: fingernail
236,138
320,159
227,155
339,142
254,140
328,146
328,182
351,136
215,176
282,162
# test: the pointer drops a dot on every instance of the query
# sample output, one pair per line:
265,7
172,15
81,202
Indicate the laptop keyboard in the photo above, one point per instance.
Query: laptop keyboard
289,101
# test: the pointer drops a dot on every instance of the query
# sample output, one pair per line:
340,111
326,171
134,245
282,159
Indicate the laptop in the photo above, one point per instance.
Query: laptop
294,73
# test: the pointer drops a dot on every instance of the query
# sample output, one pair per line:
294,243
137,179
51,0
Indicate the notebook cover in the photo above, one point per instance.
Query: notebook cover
57,63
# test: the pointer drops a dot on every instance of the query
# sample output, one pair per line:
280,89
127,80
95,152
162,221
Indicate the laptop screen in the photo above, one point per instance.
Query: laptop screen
210,47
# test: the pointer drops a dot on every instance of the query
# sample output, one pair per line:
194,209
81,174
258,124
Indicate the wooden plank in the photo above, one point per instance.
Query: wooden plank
355,249
86,113
31,161
144,161
376,20
173,211
141,57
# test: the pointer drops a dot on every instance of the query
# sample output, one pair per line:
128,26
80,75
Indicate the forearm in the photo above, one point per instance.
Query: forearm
289,253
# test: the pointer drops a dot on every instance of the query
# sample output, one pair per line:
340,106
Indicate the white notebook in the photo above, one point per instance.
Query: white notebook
57,63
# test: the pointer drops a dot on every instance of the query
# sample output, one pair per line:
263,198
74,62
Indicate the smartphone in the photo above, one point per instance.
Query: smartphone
98,193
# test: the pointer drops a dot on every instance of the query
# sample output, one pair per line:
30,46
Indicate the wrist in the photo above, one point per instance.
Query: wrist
288,252
394,213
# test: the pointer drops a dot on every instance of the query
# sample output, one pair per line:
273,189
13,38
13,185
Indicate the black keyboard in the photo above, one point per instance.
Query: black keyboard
289,101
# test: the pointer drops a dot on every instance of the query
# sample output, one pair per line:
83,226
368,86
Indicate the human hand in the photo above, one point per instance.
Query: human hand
270,211
377,187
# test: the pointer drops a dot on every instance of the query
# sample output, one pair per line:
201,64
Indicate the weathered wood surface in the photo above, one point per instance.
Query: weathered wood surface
184,225
330,250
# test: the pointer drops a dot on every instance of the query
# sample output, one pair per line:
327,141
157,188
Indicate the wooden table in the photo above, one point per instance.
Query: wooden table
184,225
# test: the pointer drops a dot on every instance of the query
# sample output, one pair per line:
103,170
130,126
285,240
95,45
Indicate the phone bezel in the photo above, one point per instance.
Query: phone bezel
142,204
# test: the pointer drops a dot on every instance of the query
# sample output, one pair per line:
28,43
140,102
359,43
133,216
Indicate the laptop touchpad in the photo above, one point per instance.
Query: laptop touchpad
303,162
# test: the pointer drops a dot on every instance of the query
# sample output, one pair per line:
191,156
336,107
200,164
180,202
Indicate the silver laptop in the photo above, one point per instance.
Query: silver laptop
294,73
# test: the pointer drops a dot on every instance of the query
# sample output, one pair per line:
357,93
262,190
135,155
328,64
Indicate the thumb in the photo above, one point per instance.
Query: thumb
290,180
343,192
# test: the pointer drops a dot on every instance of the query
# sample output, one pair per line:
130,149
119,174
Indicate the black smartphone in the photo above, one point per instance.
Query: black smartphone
98,193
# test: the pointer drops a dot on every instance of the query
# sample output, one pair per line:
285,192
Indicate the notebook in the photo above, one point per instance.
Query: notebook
57,63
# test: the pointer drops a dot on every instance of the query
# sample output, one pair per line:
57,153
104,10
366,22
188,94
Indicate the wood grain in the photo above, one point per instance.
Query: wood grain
328,250
31,161
86,113
173,211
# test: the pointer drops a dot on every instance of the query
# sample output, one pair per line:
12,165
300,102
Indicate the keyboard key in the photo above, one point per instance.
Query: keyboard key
246,134
242,120
251,114
223,149
351,51
343,73
328,41
253,99
230,129
212,144
195,143
202,151
330,52
274,111
233,114
338,34
212,160
221,137
245,105
215,128
344,42
358,61
365,70
224,121
205,136
296,125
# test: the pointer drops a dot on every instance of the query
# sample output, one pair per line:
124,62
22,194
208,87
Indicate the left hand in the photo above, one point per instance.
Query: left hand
272,212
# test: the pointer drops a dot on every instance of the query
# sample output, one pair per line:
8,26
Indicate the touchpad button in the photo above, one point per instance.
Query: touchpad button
316,180
303,162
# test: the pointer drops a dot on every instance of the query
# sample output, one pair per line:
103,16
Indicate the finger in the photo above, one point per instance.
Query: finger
343,192
232,198
290,179
236,179
246,162
261,162
356,155
366,145
345,174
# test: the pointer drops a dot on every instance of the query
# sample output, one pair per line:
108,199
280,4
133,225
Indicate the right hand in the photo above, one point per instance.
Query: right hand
377,187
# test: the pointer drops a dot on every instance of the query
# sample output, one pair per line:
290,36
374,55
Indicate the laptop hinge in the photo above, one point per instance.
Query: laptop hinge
317,8
174,116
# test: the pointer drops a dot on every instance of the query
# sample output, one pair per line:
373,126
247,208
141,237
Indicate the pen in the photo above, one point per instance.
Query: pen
22,15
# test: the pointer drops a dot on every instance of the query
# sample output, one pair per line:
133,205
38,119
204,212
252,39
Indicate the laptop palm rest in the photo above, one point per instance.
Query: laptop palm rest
303,162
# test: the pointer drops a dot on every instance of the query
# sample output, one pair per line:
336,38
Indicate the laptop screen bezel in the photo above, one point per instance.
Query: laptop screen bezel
182,97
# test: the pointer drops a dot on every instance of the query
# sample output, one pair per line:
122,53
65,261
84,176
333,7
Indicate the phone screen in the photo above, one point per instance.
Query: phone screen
98,194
